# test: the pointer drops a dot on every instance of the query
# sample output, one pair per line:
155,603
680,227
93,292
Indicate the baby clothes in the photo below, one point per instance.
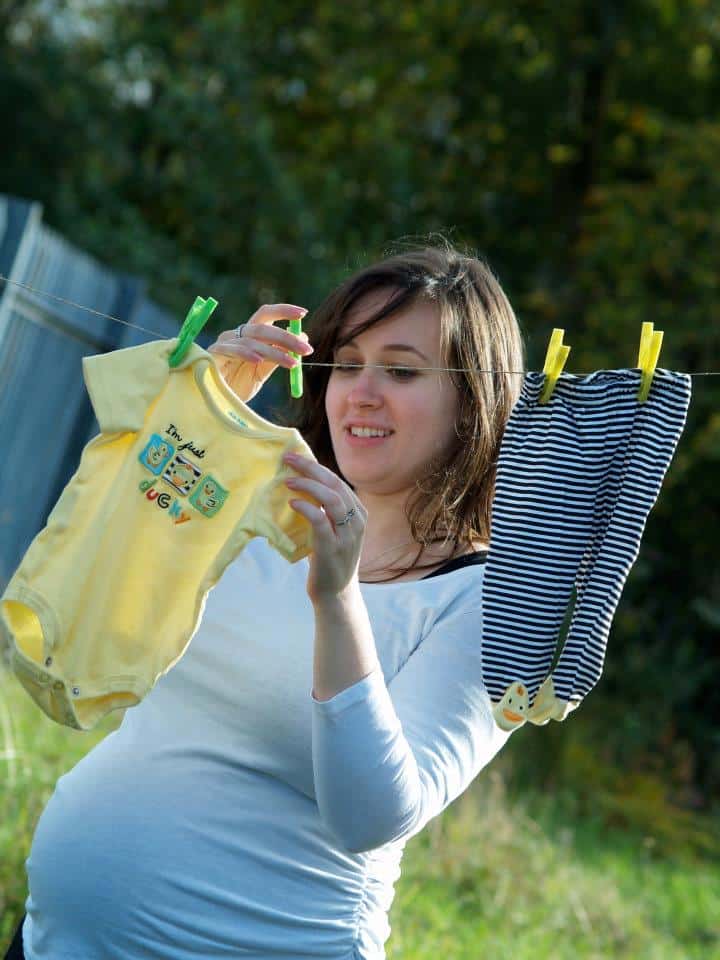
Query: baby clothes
576,479
182,475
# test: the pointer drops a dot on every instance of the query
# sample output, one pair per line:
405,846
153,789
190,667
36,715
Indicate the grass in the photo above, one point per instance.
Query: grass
495,876
488,878
34,752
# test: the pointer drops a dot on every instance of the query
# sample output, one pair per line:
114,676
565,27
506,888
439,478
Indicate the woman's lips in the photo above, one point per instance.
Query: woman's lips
365,441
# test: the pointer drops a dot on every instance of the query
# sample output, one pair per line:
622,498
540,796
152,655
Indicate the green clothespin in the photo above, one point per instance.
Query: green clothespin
296,378
198,315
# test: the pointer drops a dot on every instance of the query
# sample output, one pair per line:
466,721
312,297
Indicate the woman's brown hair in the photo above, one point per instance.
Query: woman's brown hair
480,336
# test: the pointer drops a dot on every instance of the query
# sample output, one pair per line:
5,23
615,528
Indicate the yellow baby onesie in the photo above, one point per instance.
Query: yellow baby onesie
182,475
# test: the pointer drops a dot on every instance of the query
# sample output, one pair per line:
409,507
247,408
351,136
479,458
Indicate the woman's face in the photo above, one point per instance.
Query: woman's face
418,408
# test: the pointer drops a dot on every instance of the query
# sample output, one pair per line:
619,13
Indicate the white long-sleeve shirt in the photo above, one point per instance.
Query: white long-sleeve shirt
232,814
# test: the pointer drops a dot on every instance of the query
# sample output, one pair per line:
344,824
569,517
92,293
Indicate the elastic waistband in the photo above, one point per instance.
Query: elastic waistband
593,388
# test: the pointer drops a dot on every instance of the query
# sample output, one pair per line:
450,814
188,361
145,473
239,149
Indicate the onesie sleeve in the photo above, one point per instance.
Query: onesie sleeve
389,758
285,529
122,384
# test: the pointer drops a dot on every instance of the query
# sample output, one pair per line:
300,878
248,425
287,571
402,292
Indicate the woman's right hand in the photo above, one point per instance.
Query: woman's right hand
247,361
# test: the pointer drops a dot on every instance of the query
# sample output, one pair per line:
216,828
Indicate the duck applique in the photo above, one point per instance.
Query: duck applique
513,710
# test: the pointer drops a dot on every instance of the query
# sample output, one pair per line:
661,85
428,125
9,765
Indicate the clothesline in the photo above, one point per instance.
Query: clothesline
305,363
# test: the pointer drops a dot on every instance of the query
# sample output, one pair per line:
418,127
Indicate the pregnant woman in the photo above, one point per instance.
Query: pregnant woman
257,802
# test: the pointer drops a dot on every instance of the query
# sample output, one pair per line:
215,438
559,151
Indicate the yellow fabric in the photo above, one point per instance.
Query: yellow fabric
182,475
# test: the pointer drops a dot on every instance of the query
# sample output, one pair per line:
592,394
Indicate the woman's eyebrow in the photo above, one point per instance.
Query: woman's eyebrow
395,346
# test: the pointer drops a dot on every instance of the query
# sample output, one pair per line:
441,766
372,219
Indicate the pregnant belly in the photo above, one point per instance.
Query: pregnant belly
135,853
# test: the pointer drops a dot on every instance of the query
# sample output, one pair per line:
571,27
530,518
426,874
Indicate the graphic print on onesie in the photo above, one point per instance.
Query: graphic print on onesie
204,492
209,496
182,474
156,454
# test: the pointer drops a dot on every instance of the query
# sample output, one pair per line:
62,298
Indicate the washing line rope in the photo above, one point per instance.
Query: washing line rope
305,363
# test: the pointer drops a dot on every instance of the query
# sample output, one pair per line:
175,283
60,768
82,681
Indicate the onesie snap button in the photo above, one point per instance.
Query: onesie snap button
76,691
48,661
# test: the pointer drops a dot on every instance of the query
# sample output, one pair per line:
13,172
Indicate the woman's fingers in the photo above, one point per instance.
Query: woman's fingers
277,337
261,339
261,326
330,499
250,359
250,348
234,349
272,312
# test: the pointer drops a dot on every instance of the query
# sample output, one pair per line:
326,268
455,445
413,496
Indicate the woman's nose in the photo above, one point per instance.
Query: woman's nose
366,383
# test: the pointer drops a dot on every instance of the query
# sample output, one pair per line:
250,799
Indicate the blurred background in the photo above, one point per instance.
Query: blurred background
259,152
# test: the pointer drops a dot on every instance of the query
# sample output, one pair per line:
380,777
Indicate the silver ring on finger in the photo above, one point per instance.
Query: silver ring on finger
348,516
239,331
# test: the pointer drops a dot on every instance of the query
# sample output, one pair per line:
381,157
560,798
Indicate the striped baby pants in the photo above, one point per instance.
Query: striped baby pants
576,479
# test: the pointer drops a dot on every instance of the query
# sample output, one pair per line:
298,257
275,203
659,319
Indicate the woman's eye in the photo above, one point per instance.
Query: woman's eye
398,373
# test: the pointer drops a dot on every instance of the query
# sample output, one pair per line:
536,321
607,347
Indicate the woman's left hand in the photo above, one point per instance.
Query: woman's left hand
336,548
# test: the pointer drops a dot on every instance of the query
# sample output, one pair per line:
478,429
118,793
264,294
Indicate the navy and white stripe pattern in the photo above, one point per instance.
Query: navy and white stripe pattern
576,479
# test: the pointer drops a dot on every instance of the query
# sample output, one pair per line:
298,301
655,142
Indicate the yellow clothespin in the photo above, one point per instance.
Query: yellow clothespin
555,359
650,343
